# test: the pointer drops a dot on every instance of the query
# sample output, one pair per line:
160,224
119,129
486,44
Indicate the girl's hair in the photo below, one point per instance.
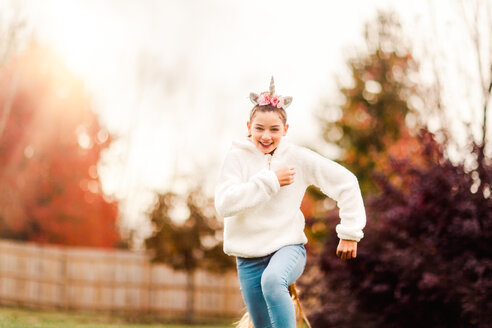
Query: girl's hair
268,108
246,322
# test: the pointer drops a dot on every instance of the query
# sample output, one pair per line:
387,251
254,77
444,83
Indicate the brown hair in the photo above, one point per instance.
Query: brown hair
246,322
268,108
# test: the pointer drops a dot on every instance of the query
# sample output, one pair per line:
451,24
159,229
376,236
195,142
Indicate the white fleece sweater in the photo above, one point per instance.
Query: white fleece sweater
260,216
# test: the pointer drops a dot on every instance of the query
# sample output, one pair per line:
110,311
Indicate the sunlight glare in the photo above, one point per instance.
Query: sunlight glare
76,34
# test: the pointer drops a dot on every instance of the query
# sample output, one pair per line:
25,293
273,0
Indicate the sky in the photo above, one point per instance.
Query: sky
170,79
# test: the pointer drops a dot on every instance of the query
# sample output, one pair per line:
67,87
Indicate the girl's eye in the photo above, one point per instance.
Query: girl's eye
274,130
259,129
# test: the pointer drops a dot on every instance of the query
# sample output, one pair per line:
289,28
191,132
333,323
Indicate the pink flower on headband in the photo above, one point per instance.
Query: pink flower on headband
264,99
274,100
270,98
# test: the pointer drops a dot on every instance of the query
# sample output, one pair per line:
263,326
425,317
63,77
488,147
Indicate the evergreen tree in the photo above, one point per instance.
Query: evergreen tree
376,104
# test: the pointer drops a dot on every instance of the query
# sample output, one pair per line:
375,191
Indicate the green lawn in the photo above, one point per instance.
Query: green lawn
22,318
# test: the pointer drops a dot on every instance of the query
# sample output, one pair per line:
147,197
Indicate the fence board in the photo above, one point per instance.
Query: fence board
108,280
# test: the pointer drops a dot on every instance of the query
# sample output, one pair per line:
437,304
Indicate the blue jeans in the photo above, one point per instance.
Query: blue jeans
264,285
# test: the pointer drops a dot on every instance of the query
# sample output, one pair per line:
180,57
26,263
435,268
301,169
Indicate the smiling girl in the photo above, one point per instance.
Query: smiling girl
259,193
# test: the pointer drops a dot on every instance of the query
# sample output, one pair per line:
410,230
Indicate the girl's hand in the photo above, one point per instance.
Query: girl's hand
285,175
347,249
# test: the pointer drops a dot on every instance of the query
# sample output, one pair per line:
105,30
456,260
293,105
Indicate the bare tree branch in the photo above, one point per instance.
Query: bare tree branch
481,16
9,43
476,37
10,37
439,109
7,105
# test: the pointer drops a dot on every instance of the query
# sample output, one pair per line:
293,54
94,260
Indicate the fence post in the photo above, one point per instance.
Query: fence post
148,265
65,300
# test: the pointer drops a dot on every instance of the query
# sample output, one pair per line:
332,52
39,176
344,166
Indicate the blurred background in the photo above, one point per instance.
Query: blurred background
115,117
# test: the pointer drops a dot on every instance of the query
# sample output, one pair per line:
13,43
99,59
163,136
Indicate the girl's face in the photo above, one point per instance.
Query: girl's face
266,130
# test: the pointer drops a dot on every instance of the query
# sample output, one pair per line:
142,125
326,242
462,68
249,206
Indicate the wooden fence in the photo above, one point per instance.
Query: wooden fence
76,278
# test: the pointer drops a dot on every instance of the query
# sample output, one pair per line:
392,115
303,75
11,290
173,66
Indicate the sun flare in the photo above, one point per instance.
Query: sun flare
78,36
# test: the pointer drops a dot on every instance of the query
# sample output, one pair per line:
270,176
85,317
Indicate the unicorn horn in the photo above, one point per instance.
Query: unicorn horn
272,87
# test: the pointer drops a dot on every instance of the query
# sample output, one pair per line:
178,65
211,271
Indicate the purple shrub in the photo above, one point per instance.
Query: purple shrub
426,260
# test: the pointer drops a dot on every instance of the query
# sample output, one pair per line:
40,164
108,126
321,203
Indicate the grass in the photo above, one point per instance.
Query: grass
11,317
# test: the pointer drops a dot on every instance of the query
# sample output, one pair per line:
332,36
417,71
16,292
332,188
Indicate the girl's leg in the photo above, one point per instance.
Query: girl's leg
286,265
250,271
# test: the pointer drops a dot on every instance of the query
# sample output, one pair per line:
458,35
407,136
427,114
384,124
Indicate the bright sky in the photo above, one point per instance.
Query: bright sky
171,79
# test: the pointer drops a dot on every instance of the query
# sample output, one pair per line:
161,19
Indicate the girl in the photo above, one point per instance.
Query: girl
259,193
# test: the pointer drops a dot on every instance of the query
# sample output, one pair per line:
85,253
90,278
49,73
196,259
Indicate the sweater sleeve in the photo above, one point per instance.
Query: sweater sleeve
232,195
341,185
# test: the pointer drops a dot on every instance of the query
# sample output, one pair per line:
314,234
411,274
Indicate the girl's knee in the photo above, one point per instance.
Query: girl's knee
273,284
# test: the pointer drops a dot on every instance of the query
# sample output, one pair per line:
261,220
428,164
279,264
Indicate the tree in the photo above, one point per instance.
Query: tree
49,150
376,104
475,69
194,243
426,259
370,124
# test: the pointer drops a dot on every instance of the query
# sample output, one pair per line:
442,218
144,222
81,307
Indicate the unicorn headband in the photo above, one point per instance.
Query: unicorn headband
270,98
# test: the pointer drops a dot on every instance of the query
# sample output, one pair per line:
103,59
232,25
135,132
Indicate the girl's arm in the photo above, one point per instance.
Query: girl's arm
342,186
232,195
